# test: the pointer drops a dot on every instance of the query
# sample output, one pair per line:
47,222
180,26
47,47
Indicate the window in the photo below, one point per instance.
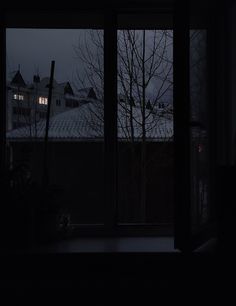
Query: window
18,97
43,100
145,126
84,132
83,136
75,160
112,159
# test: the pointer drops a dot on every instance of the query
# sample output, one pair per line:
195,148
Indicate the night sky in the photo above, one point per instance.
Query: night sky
34,49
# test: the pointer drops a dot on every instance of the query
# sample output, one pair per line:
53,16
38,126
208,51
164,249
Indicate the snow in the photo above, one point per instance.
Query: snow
86,122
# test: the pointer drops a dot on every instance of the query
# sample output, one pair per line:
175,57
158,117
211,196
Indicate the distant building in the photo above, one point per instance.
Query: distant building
154,106
27,103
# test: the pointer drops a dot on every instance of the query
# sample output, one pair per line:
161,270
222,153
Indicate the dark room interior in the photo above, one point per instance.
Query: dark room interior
124,182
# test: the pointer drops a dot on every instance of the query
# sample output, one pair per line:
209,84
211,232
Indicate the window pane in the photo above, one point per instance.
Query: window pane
145,126
75,136
199,128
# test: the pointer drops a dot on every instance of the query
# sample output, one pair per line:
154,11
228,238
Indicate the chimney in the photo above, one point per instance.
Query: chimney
36,79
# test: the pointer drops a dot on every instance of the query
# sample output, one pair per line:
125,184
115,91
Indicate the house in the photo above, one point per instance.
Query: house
27,103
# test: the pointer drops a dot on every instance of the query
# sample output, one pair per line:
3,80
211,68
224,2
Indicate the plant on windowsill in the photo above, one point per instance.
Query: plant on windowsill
17,227
35,212
52,221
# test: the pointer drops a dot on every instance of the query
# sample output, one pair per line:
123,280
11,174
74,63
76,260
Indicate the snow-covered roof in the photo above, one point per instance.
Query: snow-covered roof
86,122
84,92
71,97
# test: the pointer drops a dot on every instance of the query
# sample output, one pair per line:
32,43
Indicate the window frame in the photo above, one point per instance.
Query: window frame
15,20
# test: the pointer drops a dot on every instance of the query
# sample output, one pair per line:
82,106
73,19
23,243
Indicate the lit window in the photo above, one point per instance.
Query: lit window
43,100
18,97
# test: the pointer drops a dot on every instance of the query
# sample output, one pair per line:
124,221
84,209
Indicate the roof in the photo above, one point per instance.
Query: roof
68,89
18,80
84,92
86,122
44,83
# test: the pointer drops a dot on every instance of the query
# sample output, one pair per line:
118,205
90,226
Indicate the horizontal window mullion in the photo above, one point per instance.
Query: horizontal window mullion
57,19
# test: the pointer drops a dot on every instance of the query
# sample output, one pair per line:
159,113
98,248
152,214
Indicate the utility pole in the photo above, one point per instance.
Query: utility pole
45,179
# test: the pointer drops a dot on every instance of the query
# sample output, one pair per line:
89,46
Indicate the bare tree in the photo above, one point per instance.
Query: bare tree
90,51
144,80
143,60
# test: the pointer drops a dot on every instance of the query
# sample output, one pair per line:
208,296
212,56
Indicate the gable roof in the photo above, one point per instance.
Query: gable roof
44,83
18,80
87,92
86,122
68,89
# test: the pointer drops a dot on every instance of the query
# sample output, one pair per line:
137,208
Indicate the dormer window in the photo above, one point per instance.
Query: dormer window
43,100
18,97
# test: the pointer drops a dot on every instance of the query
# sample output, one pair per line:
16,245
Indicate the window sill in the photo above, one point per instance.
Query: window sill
109,245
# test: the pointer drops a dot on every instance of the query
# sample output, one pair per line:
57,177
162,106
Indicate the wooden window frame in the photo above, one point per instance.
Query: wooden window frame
52,19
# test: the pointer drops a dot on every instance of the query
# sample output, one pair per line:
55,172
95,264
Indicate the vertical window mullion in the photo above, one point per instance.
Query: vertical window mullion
181,125
110,118
3,93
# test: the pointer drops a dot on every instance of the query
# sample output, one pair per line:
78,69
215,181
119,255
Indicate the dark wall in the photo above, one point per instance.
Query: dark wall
77,170
157,176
